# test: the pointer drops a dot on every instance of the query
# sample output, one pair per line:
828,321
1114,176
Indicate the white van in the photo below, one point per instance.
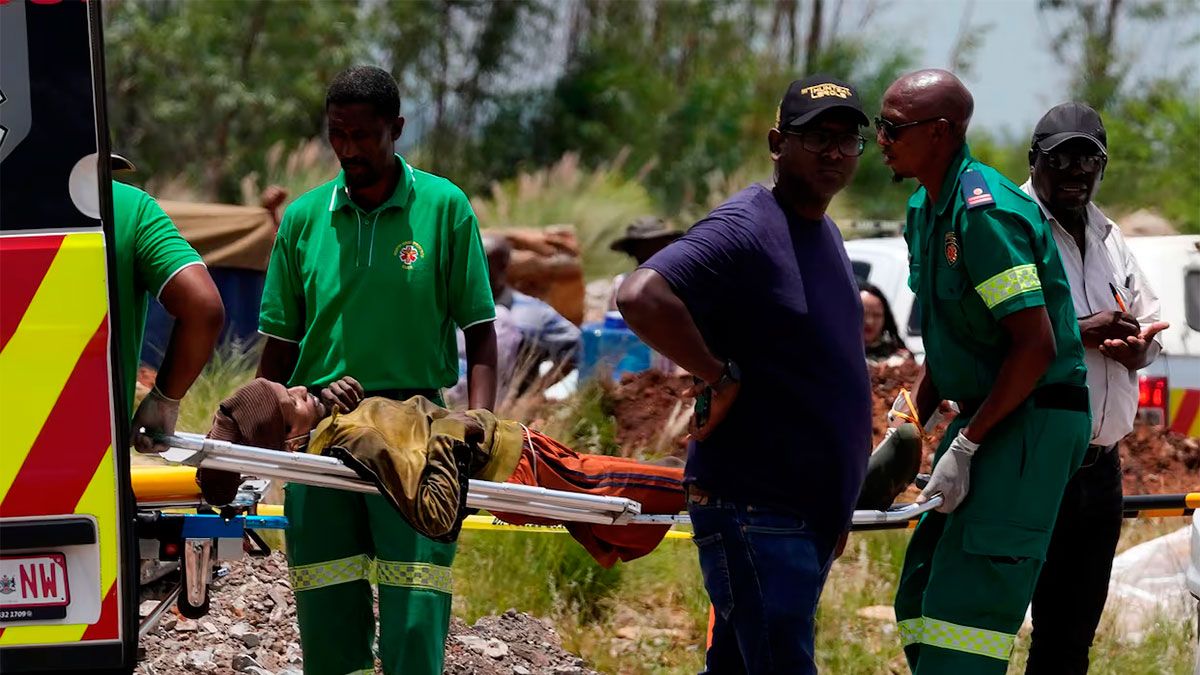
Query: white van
1170,387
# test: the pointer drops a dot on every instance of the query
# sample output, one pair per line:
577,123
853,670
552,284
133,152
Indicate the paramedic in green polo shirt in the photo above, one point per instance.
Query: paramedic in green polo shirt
1001,339
370,275
153,258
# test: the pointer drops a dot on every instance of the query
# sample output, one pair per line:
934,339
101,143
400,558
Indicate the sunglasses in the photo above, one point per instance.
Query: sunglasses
890,129
1061,161
819,140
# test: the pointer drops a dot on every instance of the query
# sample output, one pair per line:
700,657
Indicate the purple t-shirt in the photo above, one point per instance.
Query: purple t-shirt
777,295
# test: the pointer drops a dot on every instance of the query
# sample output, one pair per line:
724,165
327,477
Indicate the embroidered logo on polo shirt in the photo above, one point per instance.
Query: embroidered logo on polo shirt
409,253
951,248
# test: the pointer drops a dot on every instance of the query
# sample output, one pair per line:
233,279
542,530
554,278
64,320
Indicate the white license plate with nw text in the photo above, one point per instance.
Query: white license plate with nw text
33,586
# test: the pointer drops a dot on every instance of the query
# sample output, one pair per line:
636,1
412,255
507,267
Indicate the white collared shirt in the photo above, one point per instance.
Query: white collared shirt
1107,260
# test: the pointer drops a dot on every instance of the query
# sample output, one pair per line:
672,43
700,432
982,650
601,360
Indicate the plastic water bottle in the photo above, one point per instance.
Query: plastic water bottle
610,345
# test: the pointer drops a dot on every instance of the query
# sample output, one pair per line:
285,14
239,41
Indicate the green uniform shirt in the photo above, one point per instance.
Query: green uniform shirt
377,295
150,252
981,253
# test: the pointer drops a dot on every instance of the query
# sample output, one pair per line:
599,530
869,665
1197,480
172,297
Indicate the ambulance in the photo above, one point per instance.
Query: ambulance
68,557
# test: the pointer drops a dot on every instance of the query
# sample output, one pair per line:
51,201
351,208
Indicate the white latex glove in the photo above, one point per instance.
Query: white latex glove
952,475
157,416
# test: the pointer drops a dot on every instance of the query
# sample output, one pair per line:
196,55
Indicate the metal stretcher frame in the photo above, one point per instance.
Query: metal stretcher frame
198,451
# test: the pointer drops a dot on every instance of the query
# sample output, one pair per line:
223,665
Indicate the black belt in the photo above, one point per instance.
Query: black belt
1073,397
1094,453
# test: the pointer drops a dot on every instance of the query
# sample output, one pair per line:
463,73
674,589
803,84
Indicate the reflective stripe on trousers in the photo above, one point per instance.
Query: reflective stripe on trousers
384,572
937,633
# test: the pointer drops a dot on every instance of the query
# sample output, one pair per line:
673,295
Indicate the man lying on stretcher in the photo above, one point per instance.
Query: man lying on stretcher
420,456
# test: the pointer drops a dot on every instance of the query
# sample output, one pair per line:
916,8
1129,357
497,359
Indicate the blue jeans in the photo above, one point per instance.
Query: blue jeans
763,570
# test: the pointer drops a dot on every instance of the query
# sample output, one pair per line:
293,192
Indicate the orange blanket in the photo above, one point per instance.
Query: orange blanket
547,463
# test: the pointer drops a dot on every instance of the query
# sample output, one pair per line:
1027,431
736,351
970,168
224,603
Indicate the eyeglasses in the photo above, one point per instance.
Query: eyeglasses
1061,161
889,128
819,140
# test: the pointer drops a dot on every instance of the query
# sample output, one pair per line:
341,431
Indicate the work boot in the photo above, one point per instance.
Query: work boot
893,465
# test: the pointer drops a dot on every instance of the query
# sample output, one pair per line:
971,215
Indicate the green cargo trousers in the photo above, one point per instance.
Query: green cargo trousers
969,576
338,542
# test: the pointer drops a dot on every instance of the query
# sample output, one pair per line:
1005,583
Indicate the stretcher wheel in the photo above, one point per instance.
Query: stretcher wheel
185,607
190,611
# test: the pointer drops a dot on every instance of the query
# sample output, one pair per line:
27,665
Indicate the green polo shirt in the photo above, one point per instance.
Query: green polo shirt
150,252
982,252
376,295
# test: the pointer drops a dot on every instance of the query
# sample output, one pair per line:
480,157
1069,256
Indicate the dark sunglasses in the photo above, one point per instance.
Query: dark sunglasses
1061,161
890,129
819,140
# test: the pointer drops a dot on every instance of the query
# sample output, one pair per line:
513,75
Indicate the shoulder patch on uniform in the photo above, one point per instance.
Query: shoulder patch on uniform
975,190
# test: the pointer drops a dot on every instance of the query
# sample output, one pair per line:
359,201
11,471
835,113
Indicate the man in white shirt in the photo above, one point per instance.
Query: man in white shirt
1118,321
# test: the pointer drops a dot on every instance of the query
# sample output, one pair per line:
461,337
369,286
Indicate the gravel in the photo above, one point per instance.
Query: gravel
251,629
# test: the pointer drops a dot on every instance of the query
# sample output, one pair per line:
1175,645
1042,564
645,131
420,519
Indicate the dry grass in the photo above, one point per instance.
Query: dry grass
598,203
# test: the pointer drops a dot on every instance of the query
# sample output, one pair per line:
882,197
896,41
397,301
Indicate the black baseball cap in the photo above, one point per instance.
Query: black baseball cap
815,94
1066,121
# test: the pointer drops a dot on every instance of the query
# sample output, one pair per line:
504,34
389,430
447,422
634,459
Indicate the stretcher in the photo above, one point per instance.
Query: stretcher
194,450
189,544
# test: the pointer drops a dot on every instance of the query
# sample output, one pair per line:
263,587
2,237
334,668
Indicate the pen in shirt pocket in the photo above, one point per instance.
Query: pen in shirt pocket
1117,297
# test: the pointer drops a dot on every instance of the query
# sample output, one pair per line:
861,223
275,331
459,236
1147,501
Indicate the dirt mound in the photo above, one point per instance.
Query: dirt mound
251,628
651,412
1156,461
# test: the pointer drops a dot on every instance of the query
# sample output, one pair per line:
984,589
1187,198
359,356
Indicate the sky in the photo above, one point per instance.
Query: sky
1016,77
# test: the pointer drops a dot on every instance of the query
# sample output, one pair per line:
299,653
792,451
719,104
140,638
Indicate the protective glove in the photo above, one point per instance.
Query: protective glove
156,416
952,475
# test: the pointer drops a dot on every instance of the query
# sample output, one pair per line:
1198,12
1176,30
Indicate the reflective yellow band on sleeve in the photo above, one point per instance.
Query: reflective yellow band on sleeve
1009,284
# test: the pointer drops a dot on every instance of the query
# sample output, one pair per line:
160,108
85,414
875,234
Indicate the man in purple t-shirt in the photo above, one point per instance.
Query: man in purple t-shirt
759,303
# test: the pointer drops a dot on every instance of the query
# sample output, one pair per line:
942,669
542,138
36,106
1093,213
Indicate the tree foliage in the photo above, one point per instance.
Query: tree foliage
205,88
682,91
1153,121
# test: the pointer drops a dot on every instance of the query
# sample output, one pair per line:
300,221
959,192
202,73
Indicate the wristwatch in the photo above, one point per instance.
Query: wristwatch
729,374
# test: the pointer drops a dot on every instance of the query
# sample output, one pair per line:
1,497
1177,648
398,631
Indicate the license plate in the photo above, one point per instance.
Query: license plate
33,587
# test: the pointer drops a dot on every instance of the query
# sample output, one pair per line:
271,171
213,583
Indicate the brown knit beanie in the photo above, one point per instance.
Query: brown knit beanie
250,416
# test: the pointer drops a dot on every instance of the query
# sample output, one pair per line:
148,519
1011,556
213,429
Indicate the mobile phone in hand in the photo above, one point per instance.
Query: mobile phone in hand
703,405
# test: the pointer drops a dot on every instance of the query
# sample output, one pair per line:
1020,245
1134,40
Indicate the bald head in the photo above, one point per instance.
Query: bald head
932,93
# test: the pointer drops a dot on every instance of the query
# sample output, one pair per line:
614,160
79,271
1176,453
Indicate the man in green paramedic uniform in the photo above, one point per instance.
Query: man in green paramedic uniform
154,259
1001,339
370,274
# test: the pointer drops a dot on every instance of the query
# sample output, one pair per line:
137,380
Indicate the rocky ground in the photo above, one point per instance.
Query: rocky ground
251,628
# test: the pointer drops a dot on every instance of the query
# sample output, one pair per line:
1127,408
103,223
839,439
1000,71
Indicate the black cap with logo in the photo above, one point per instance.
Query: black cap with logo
815,94
1067,121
